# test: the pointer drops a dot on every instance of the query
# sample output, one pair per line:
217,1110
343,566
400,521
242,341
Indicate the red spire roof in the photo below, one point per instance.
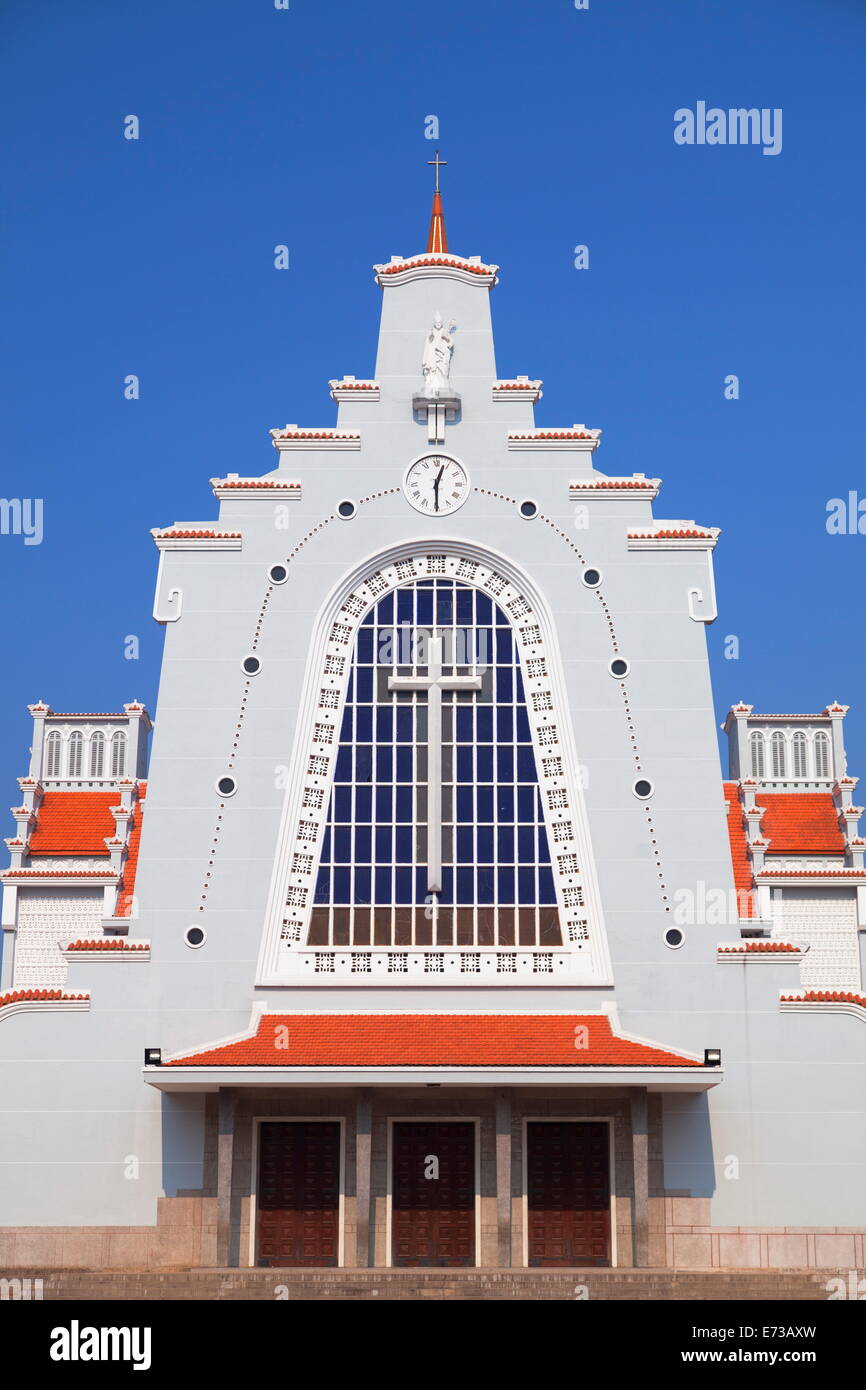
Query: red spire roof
437,239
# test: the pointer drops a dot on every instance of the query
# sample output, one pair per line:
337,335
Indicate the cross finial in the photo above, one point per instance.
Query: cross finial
438,164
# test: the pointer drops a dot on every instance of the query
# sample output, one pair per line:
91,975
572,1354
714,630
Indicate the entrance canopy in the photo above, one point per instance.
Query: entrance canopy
430,1048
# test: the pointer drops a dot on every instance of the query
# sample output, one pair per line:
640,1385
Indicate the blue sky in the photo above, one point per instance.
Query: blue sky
306,127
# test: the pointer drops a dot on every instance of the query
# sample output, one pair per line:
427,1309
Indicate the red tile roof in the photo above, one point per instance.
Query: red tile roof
693,533
417,1040
554,434
127,889
457,262
108,943
760,948
174,534
801,823
57,873
20,996
73,823
739,842
825,996
811,873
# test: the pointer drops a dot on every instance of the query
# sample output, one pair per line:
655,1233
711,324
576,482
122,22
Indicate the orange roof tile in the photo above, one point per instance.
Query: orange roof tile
127,890
740,859
73,823
18,996
801,823
416,1040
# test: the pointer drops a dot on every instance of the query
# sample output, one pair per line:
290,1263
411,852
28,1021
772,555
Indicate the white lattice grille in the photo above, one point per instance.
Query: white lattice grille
47,917
828,926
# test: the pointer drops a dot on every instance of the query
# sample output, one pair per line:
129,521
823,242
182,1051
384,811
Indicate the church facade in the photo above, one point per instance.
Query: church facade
429,933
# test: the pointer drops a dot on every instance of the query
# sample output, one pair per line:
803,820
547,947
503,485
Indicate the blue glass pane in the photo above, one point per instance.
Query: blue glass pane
363,804
405,724
385,609
364,685
343,771
504,723
525,763
346,725
505,880
464,723
403,885
505,844
484,803
465,849
504,649
364,763
524,734
326,846
518,690
504,684
382,877
464,764
384,843
465,804
505,803
343,844
444,606
526,886
342,803
447,885
500,618
369,618
485,844
483,608
405,605
425,607
404,804
485,762
543,847
364,724
404,765
365,645
363,844
484,723
363,884
420,885
384,803
485,885
350,688
384,724
384,763
526,803
526,844
323,886
505,764
464,606
465,885
546,890
404,837
342,886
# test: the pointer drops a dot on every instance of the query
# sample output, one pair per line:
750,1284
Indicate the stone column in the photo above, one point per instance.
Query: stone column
503,1177
364,1256
225,1156
640,1166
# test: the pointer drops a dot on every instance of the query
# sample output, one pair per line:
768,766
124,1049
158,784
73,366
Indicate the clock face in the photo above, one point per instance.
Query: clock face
436,485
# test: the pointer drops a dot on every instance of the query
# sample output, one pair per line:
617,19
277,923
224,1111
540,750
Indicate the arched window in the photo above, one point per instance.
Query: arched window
52,754
777,743
118,754
822,755
97,755
756,743
75,755
798,754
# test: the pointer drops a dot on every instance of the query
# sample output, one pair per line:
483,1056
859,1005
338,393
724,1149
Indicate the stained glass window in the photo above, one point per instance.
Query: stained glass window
373,883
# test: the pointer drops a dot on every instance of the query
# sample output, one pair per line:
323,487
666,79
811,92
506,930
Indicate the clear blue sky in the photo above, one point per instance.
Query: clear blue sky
306,126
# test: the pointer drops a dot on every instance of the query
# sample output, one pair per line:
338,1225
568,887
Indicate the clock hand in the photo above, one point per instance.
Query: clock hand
436,482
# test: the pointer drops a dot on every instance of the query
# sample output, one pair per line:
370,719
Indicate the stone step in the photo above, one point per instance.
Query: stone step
436,1284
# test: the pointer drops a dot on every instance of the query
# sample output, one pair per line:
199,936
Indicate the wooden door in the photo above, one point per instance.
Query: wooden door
298,1197
433,1202
568,1193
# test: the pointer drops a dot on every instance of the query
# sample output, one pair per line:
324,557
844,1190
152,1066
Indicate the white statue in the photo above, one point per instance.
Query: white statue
436,362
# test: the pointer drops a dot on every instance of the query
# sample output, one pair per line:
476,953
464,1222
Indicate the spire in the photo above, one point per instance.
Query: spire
437,239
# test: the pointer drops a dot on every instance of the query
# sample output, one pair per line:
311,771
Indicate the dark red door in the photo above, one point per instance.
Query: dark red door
433,1206
568,1193
298,1199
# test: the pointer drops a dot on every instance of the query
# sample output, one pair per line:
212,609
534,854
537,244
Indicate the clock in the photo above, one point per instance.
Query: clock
436,485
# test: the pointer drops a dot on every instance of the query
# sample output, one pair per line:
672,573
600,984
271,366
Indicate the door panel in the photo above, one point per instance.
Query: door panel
298,1199
433,1205
568,1193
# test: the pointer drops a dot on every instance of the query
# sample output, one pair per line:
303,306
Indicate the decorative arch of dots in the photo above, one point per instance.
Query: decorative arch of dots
259,623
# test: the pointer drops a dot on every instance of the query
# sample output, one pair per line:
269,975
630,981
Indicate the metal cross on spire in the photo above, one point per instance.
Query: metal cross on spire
438,164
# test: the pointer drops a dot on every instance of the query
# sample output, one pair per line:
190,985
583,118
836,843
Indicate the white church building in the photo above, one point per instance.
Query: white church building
434,804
